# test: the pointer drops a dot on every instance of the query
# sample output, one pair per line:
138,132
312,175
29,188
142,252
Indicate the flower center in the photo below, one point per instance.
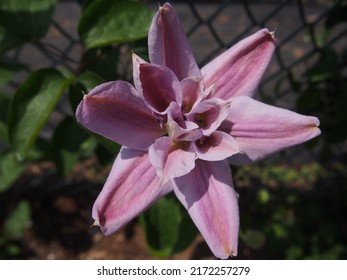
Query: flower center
183,145
200,120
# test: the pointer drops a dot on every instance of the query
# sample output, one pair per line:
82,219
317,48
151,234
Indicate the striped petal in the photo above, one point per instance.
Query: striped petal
128,191
168,44
261,129
208,195
237,71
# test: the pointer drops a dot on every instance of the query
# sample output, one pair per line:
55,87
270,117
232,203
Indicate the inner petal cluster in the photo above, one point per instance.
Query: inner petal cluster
191,117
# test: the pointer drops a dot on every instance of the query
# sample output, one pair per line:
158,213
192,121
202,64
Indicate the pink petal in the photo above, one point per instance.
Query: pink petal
192,91
238,71
209,114
137,61
128,191
191,132
160,87
115,111
168,45
178,128
218,146
261,129
208,195
171,159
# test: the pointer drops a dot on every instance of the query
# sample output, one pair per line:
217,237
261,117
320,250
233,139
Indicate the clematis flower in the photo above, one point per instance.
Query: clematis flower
181,127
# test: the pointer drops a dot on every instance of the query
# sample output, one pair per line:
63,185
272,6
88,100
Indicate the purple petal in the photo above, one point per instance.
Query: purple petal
168,45
208,195
209,114
218,146
191,132
178,128
261,129
237,71
171,159
128,191
137,61
115,111
160,87
192,91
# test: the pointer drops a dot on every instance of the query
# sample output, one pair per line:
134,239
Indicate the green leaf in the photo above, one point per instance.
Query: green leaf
22,21
187,231
102,61
90,80
105,22
67,141
10,170
167,228
16,223
160,226
31,107
7,71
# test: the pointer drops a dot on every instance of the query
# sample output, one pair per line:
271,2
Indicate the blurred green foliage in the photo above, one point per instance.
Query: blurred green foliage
295,216
13,229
